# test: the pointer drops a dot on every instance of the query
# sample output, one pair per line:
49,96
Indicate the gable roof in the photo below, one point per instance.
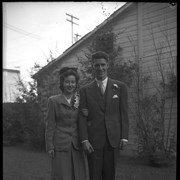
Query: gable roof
11,70
84,38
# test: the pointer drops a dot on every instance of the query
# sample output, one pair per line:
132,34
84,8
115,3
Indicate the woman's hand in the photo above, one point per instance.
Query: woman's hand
85,111
51,153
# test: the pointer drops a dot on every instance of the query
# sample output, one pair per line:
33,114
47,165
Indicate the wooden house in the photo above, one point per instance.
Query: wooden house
146,33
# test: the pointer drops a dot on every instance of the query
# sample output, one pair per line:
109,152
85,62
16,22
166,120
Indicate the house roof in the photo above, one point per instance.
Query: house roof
84,38
11,70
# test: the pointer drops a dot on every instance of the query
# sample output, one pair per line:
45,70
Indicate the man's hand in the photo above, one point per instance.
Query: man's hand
51,153
87,147
123,143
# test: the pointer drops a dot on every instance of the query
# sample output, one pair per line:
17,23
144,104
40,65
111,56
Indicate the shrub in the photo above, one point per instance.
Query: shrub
22,124
12,127
33,128
156,136
34,137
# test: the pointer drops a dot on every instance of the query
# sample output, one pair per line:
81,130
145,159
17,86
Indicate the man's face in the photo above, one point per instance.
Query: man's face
100,67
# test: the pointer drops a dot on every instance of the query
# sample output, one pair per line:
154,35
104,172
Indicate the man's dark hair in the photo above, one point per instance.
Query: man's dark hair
99,55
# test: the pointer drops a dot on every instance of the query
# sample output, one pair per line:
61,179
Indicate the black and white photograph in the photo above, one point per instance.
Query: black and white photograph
89,90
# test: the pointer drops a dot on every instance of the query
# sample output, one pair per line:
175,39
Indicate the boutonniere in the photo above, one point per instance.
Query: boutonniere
76,100
115,96
115,86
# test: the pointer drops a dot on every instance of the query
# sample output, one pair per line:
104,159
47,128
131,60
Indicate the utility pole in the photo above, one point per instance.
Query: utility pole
76,37
72,23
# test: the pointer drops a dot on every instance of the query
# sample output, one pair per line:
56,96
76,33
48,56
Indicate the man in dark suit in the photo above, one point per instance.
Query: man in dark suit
103,120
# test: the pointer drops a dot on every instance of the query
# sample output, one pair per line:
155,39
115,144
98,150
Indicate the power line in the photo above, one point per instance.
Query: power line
21,31
72,23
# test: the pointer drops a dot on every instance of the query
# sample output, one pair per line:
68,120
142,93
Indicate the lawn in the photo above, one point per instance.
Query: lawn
22,164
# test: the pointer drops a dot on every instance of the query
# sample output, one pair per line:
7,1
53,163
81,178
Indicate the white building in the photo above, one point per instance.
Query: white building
10,91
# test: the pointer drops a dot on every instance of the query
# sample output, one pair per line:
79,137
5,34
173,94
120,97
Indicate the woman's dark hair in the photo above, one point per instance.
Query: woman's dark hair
65,72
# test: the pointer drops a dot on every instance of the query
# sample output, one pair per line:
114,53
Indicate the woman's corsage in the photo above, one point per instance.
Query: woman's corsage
76,100
115,86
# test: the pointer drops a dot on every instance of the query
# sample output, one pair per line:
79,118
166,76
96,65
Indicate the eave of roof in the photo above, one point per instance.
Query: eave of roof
117,12
11,70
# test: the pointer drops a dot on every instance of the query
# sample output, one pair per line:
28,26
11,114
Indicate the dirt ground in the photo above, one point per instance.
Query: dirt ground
21,164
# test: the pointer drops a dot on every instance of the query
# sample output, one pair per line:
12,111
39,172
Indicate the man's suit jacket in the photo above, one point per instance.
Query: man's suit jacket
61,128
107,116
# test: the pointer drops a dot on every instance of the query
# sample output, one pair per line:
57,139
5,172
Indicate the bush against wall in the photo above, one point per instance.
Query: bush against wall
13,132
34,128
156,135
22,125
22,120
154,101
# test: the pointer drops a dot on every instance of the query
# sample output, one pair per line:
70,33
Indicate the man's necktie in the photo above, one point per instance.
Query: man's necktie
101,87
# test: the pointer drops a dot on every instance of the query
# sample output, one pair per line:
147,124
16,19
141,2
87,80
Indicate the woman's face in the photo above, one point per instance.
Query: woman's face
69,84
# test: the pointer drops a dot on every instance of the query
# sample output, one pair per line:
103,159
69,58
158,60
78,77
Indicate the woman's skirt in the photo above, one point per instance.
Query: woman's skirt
69,165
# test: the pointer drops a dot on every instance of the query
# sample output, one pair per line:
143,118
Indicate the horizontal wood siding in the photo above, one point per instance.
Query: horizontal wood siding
160,35
161,20
158,18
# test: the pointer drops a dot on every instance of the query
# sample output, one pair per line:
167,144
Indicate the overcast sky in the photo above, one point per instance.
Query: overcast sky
32,29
